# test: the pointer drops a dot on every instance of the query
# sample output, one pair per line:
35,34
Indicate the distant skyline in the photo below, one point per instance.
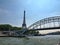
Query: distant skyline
11,11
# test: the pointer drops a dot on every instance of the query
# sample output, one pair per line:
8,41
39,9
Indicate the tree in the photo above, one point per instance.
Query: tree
6,27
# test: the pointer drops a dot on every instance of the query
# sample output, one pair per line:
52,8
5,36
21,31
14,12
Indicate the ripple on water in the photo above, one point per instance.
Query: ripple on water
47,40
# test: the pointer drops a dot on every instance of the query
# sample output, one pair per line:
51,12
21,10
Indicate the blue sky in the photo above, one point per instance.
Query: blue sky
11,11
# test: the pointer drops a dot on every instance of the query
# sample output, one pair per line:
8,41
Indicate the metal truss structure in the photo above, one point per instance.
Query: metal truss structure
46,23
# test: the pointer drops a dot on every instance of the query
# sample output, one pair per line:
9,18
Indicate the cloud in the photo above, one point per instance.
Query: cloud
55,13
29,1
4,11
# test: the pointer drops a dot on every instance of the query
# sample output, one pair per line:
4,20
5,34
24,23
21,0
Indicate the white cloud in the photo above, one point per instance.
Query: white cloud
4,11
55,13
29,2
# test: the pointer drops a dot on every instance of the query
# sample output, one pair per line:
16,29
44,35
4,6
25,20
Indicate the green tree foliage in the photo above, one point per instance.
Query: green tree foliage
16,28
6,27
32,32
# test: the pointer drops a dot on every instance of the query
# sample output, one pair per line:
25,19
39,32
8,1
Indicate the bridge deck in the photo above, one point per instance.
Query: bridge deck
50,28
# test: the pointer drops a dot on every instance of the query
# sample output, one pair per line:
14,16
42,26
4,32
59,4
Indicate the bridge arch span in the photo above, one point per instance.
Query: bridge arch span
46,23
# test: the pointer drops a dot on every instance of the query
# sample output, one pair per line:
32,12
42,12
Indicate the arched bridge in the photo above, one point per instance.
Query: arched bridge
47,23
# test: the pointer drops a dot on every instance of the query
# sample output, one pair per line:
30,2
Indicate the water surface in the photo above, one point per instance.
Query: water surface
33,40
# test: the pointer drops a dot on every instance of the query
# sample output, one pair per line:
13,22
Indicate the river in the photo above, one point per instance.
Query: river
32,40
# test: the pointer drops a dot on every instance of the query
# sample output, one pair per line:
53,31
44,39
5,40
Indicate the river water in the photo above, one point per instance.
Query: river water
32,40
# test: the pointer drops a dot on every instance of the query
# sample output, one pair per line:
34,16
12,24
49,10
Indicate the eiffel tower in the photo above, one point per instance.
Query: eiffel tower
24,27
24,22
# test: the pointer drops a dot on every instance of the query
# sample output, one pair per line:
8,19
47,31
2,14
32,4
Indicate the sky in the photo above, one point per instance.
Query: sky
11,11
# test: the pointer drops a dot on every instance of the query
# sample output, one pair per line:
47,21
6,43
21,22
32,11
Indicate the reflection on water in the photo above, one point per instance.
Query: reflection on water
35,40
